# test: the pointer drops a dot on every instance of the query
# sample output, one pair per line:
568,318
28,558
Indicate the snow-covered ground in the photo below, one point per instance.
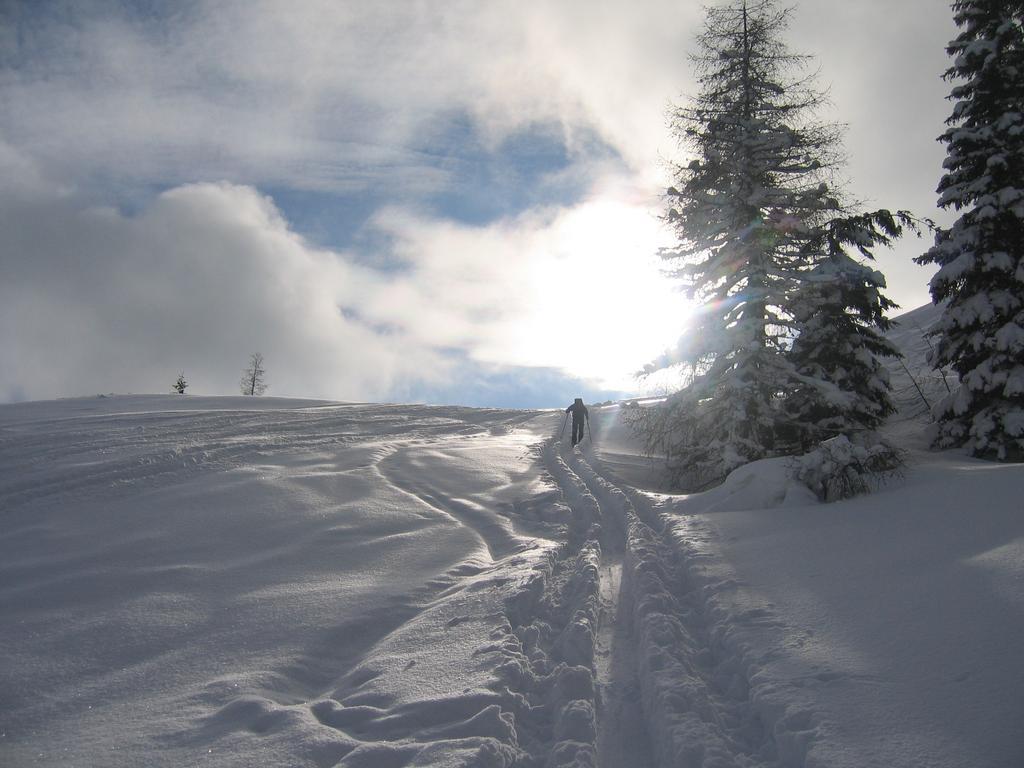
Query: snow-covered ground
254,581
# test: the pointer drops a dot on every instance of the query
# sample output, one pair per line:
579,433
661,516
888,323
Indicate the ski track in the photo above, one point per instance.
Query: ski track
669,670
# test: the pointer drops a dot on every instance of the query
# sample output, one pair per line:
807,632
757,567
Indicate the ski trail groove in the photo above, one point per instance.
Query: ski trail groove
696,687
621,738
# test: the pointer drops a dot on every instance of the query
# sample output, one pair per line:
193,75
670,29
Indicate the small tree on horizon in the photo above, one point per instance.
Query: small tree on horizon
180,385
981,256
253,382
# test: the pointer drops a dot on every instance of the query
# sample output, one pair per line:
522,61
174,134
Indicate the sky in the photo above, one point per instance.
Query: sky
448,202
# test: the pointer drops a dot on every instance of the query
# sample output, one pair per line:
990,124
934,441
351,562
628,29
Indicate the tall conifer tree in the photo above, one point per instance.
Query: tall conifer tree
981,257
754,211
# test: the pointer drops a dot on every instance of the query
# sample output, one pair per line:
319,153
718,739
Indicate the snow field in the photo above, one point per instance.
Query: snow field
236,582
287,583
246,582
405,703
883,624
622,735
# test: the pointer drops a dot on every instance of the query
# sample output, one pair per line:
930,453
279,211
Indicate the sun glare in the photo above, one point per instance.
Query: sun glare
602,304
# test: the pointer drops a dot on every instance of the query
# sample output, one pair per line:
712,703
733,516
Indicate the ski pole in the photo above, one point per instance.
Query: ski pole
588,431
562,433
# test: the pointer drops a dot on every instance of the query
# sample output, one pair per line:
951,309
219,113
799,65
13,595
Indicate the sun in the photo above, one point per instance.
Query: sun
601,305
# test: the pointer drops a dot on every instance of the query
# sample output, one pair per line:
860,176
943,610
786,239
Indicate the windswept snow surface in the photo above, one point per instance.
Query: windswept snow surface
245,581
239,581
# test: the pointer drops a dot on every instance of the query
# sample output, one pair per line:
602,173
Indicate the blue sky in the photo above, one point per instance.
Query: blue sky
453,202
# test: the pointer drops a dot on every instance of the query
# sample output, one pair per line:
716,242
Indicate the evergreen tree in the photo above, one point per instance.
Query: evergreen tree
180,384
753,212
981,257
253,382
839,319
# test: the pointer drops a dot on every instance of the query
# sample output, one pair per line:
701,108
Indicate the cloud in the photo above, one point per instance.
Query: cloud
361,98
94,300
327,95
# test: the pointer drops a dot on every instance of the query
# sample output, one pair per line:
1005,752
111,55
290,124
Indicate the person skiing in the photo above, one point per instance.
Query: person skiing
580,415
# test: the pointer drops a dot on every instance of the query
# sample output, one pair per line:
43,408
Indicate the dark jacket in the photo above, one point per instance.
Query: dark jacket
578,411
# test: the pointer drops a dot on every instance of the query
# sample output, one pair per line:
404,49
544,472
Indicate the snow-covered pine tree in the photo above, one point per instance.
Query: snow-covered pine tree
747,210
839,319
981,257
758,167
180,385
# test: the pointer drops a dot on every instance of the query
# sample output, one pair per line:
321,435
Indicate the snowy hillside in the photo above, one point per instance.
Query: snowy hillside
255,581
916,385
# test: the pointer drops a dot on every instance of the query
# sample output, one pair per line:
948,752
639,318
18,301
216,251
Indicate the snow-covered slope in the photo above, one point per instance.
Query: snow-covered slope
916,385
879,630
247,581
213,578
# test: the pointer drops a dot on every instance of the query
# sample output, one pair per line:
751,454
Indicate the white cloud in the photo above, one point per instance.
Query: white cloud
93,300
323,94
344,96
